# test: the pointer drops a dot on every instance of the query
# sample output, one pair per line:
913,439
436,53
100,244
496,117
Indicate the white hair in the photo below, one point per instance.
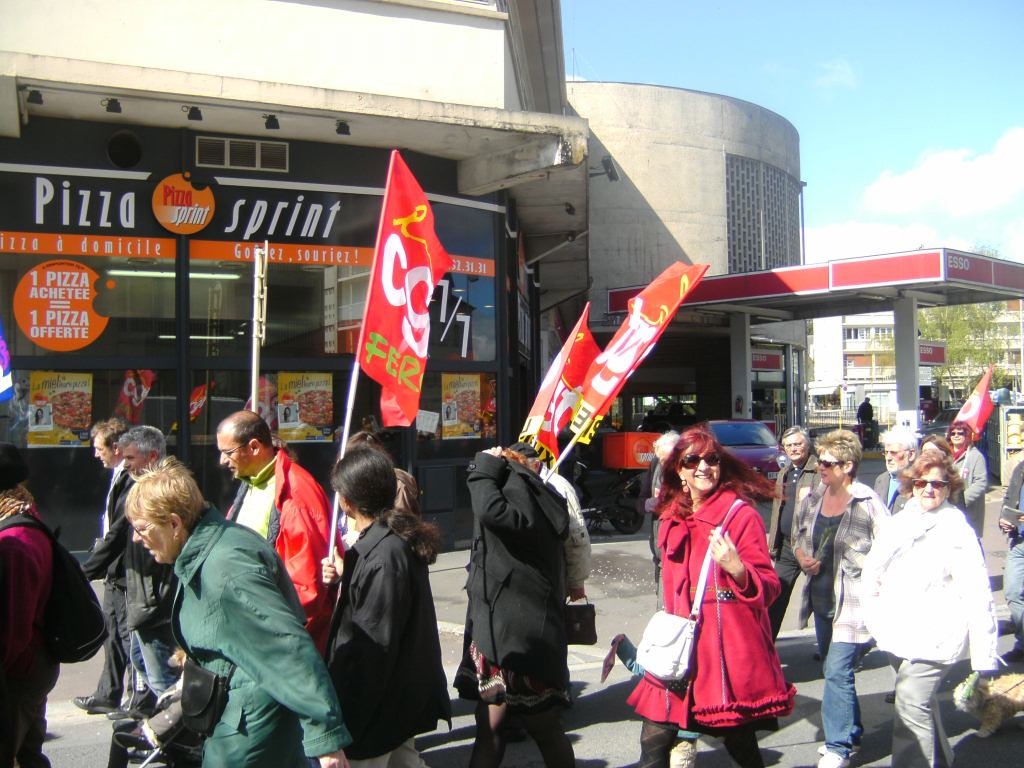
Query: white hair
667,440
900,436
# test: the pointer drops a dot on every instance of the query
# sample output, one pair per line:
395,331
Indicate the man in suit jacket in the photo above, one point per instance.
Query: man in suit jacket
106,561
792,486
900,446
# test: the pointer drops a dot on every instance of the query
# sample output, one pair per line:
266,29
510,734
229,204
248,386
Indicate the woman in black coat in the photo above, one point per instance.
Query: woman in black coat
383,652
516,651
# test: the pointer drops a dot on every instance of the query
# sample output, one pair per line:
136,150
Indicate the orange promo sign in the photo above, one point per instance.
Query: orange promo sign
53,306
180,207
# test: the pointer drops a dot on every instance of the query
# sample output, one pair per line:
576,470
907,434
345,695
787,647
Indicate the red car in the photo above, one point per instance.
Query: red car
752,442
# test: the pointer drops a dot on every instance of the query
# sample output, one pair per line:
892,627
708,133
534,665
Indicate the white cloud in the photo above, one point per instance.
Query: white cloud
1012,247
837,73
860,238
956,182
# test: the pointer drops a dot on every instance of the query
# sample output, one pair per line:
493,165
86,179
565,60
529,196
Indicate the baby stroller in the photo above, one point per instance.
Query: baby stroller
161,739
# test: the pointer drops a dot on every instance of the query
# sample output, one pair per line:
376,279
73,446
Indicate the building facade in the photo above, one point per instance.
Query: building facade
144,155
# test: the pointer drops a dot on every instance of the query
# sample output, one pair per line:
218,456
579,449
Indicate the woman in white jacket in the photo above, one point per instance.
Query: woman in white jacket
928,603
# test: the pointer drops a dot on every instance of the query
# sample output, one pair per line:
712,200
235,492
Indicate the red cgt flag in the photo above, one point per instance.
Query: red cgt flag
560,389
407,263
978,407
650,312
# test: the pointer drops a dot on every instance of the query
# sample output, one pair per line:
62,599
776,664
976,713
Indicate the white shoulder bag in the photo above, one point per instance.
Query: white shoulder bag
666,647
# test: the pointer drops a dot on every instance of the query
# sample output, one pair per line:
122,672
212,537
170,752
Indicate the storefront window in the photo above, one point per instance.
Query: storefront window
457,411
304,409
90,305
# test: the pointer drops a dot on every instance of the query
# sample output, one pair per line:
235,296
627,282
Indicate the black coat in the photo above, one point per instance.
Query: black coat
106,560
516,579
383,652
149,586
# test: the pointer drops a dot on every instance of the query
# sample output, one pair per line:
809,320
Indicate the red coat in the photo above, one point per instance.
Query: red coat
302,542
26,575
754,685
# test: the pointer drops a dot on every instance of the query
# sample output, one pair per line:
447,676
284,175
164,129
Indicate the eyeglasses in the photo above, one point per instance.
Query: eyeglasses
144,529
693,460
938,485
828,464
957,433
894,453
230,451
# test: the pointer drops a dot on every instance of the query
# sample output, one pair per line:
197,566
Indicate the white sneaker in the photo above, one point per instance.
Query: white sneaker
833,760
823,749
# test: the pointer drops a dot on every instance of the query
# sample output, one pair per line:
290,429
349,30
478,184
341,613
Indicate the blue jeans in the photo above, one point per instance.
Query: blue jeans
840,710
152,648
1013,588
823,630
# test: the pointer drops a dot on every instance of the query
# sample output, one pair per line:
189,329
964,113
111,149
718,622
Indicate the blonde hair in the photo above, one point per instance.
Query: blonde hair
164,489
843,444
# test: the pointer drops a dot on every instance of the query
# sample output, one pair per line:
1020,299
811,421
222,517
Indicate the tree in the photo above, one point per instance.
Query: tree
972,341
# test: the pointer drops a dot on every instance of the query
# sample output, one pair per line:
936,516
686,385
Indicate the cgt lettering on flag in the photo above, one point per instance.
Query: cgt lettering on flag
560,390
650,313
408,261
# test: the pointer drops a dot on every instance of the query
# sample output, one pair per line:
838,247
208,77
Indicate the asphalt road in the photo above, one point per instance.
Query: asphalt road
604,731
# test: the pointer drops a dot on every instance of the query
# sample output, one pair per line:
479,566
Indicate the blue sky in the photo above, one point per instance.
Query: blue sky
910,113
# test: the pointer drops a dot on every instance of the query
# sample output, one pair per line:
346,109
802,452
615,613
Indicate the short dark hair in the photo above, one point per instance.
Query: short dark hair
245,426
109,431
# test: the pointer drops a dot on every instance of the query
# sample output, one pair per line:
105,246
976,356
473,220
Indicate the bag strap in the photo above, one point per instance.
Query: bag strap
702,582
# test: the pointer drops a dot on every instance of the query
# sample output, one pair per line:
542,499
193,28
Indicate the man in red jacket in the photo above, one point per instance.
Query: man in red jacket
281,501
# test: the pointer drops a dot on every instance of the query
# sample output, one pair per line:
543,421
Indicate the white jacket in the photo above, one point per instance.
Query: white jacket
577,544
926,589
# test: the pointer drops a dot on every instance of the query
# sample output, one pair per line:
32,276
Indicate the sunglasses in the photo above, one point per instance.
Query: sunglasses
828,464
958,433
938,485
693,460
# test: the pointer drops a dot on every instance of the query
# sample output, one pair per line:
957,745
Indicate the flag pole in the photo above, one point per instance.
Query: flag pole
345,429
259,317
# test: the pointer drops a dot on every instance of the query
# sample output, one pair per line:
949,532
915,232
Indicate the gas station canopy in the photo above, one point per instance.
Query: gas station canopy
934,277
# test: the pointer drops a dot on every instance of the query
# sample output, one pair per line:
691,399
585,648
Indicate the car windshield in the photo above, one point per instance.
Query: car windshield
743,433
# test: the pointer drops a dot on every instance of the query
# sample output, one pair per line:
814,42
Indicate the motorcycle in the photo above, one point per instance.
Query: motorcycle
609,496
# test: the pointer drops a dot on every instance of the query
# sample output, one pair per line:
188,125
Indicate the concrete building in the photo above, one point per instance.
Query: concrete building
700,178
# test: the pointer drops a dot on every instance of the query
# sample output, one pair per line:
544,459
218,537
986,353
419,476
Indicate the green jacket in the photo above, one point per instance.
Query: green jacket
235,604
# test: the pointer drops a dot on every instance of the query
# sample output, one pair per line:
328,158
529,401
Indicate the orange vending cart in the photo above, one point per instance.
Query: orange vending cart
628,450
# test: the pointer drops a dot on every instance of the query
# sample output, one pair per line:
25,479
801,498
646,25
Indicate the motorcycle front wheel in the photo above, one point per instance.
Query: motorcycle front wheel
625,519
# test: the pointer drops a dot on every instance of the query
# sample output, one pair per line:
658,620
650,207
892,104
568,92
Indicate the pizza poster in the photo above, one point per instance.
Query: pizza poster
305,409
460,406
53,306
59,409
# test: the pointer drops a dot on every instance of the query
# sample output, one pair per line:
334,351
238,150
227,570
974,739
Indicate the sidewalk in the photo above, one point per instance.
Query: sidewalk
605,732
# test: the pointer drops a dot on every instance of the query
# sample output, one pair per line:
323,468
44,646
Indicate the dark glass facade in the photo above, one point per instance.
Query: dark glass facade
127,288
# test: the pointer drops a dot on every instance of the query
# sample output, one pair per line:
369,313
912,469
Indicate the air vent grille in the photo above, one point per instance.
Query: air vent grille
242,154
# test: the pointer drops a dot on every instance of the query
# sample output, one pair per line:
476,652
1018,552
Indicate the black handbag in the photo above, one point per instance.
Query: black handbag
203,697
580,623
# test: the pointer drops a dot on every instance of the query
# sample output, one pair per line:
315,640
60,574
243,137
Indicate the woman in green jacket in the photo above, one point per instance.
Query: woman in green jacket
236,613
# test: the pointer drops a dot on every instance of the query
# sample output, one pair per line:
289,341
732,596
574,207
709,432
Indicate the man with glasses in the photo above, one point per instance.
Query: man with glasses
282,502
900,447
791,488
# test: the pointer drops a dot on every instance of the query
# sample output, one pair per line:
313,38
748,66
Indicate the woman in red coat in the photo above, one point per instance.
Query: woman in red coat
736,685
